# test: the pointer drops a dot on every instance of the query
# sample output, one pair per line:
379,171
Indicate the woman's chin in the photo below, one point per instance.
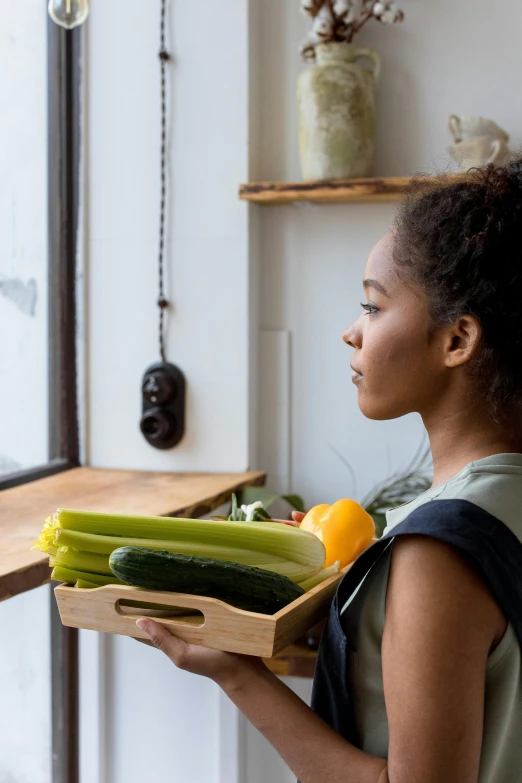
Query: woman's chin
377,410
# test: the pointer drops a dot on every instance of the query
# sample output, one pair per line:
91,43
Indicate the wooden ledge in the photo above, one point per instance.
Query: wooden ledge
23,509
335,191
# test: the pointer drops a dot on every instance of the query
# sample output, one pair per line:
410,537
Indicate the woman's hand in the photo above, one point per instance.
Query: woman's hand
222,667
297,518
312,750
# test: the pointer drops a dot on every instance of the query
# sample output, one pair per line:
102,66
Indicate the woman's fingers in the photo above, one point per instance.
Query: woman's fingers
174,648
193,658
290,522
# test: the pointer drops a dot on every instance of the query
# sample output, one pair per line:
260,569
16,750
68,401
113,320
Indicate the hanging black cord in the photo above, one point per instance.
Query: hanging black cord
163,303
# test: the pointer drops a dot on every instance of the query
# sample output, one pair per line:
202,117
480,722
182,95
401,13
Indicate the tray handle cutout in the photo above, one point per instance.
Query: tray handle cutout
137,609
207,615
179,614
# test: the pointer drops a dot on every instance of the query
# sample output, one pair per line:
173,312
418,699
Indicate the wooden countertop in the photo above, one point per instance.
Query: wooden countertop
23,509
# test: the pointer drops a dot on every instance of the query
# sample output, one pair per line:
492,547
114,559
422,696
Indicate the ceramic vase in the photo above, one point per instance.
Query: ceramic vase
336,103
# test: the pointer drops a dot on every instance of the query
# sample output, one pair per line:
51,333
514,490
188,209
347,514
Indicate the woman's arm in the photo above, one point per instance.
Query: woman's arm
441,622
312,750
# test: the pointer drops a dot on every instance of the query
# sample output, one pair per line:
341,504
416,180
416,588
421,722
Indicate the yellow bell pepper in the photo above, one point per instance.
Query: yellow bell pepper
345,529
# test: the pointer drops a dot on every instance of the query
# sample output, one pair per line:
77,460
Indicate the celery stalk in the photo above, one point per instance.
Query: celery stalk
315,580
81,561
271,538
90,543
70,577
83,585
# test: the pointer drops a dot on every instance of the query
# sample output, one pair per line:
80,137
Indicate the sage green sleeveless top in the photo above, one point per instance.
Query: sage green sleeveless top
495,484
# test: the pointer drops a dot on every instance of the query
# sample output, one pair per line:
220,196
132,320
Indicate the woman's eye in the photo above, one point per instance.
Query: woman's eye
370,308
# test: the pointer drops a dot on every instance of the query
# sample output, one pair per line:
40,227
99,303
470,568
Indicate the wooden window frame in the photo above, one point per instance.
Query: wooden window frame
64,134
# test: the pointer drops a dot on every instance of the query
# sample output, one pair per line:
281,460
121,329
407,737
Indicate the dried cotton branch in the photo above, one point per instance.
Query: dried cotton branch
341,20
311,7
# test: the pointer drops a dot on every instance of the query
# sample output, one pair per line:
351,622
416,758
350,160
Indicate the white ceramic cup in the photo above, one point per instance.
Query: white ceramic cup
479,151
465,127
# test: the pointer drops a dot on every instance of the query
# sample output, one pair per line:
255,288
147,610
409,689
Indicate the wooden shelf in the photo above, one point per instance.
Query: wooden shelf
338,191
23,509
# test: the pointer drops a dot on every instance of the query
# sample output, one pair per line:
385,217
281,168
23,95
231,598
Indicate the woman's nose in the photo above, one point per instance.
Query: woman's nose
352,336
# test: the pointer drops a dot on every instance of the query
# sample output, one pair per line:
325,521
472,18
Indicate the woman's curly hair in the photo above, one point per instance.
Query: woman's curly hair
460,240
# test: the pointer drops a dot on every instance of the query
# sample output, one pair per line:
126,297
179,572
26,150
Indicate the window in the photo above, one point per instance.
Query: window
39,167
38,216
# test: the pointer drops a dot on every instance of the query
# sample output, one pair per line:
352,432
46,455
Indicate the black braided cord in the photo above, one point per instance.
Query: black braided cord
163,303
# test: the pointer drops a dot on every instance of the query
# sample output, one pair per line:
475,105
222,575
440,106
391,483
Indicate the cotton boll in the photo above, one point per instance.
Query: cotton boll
392,16
312,39
325,14
323,24
387,12
388,17
348,11
342,7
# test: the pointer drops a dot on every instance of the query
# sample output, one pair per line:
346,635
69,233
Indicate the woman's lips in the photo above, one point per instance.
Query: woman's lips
357,376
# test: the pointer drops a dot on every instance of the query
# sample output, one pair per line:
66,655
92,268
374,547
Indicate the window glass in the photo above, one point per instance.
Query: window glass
24,350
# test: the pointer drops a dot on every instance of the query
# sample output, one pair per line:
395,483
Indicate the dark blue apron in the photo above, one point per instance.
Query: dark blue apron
490,545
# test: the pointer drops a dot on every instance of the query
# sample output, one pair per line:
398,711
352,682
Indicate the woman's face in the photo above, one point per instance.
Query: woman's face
398,362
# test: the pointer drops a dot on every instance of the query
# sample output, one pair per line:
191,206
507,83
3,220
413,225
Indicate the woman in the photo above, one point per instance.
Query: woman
418,677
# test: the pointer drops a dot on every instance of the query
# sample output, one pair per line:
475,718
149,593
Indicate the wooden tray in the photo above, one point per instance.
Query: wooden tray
219,625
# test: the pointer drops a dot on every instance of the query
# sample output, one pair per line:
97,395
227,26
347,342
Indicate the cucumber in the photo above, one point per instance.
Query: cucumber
247,587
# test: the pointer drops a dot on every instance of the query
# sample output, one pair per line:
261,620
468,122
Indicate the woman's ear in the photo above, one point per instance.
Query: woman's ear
461,341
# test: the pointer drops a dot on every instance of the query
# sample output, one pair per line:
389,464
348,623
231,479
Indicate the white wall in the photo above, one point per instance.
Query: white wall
142,718
207,243
299,269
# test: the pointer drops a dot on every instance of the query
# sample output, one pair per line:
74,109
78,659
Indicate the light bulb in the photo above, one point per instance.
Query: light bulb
69,13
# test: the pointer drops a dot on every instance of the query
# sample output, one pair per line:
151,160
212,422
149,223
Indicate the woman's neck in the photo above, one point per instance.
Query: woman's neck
464,436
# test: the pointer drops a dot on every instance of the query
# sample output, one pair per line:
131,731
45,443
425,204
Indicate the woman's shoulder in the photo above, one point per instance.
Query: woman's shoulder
492,484
433,578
